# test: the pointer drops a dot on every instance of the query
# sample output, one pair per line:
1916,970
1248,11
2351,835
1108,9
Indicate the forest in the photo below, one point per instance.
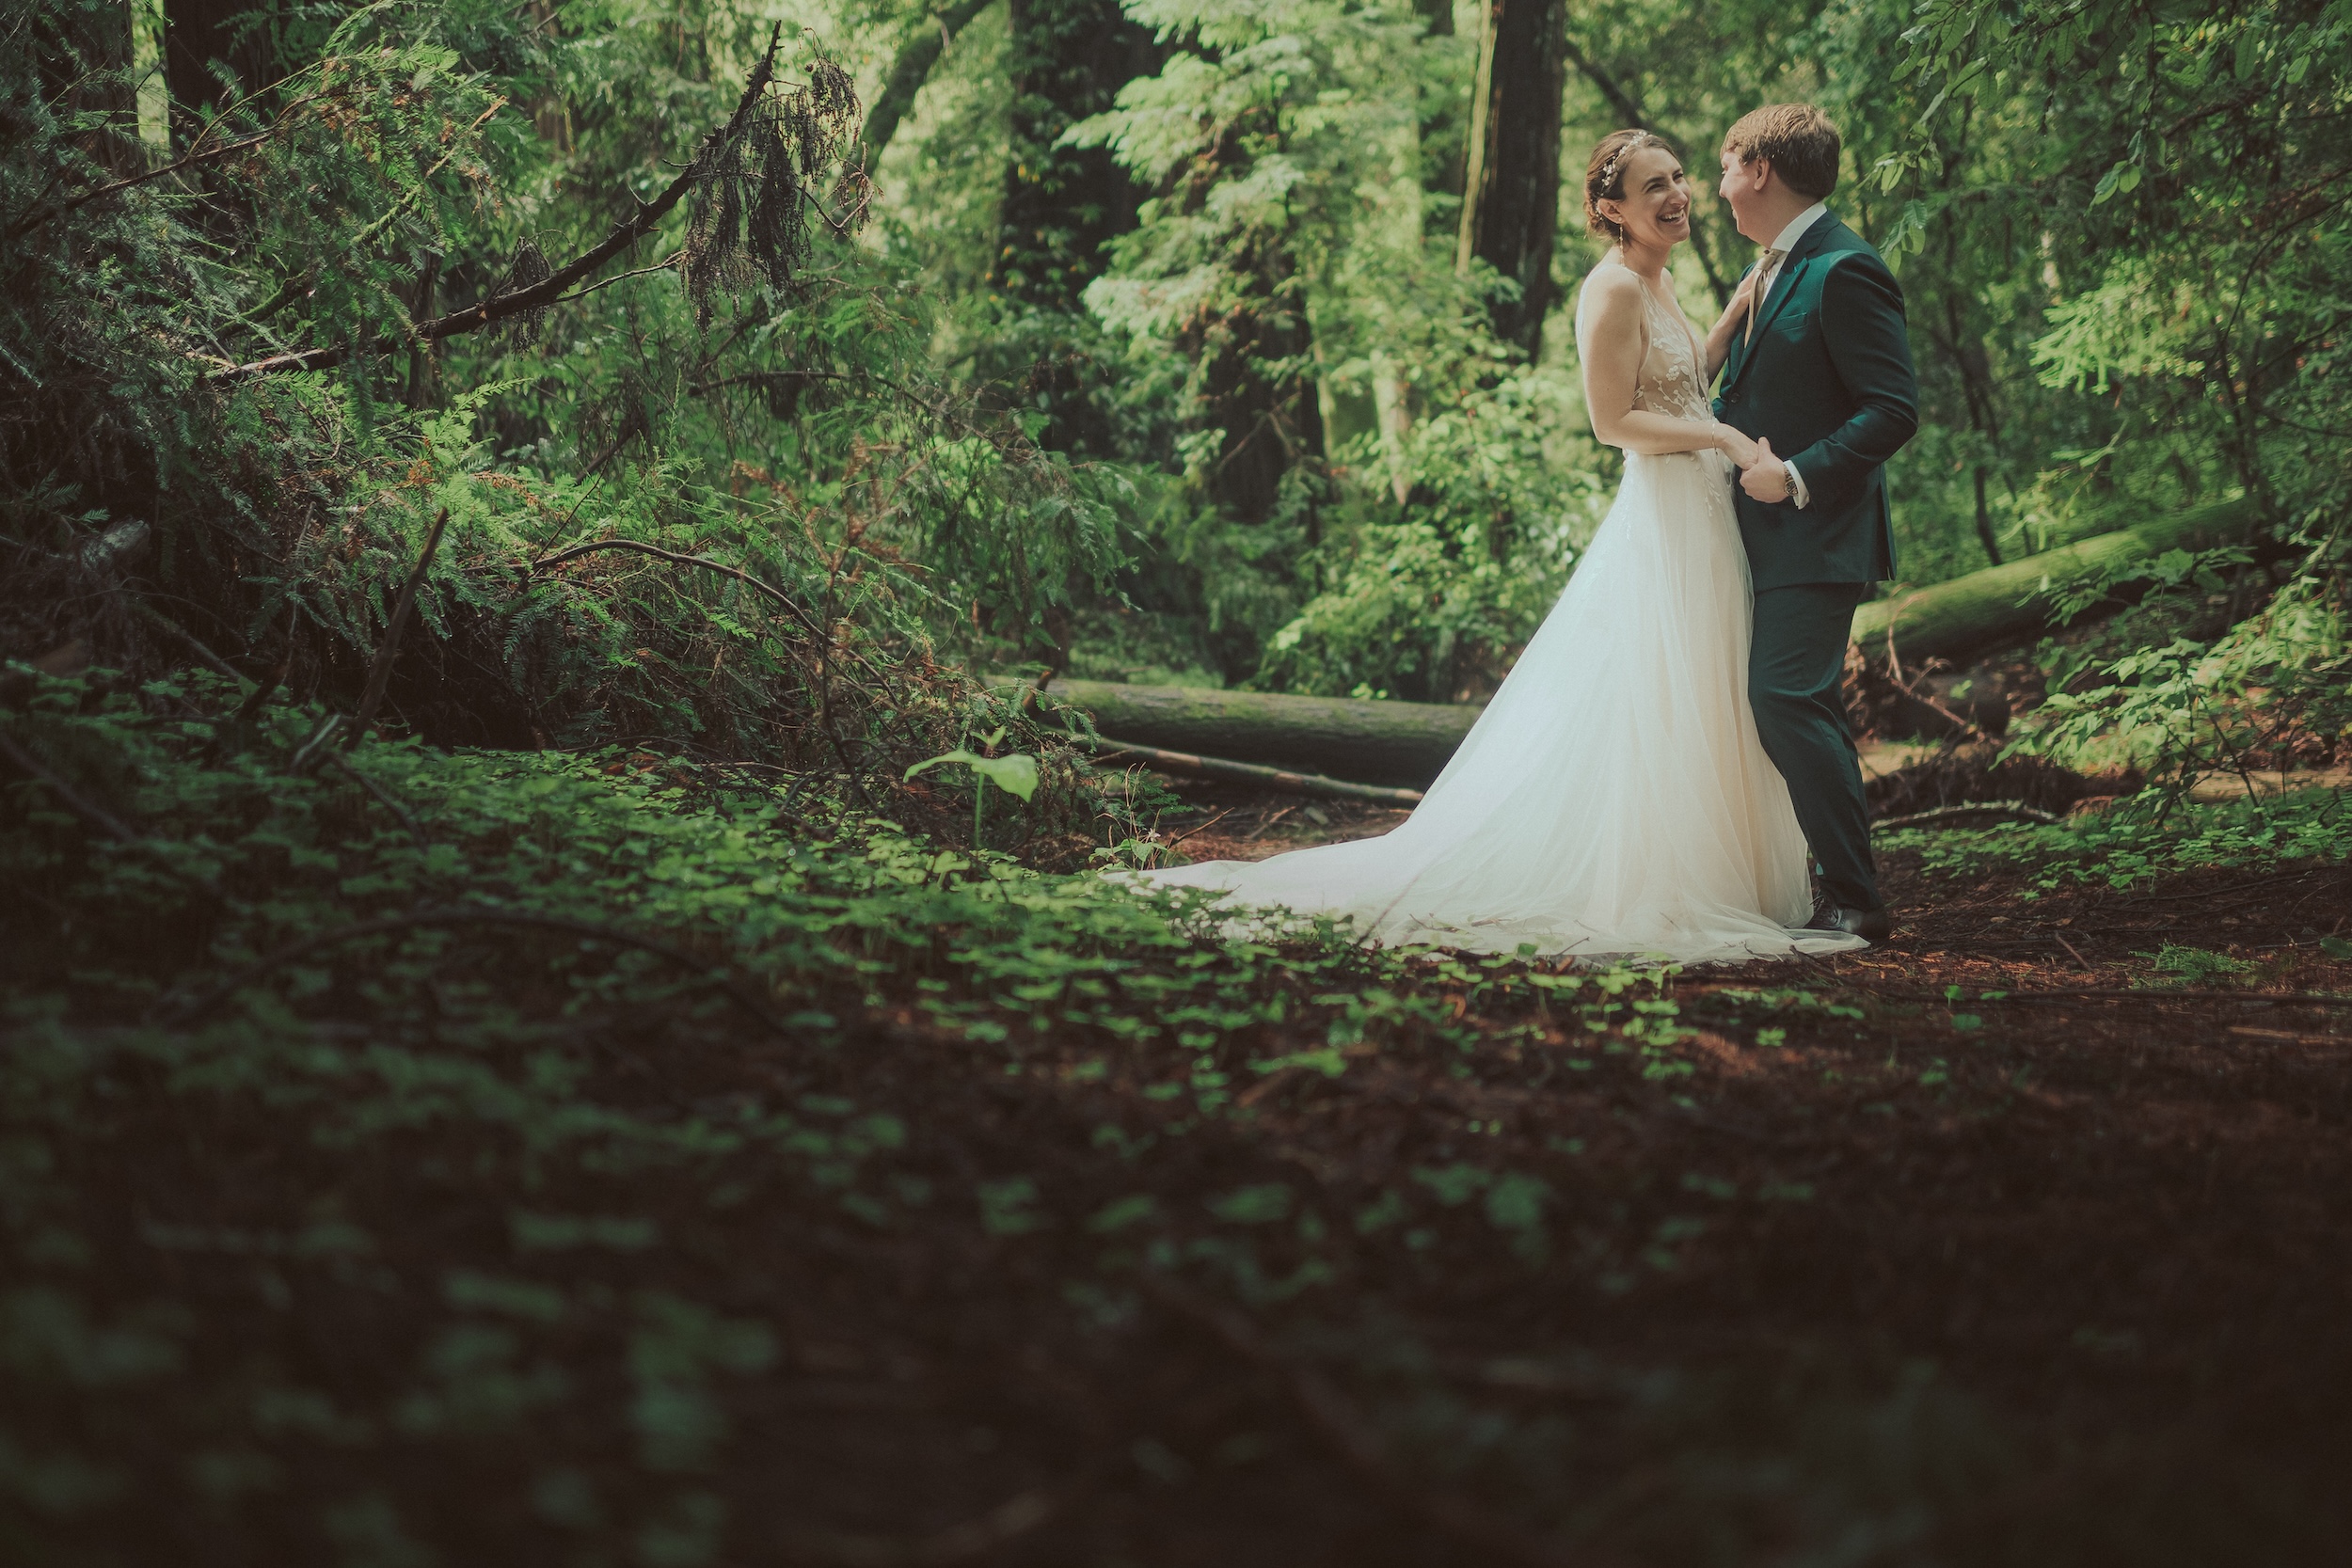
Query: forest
595,593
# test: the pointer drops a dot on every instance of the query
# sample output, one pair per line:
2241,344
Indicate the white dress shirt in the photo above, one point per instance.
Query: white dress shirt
1786,242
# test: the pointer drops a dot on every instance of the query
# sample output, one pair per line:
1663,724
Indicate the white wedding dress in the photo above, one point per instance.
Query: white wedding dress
1614,800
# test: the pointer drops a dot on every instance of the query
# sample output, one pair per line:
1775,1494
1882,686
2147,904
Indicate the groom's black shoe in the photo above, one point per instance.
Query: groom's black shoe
1872,925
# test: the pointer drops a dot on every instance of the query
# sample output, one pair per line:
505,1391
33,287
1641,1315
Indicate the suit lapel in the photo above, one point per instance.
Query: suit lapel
1800,256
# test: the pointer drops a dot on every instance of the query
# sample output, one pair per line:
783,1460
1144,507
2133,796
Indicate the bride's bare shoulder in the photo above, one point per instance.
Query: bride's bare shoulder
1610,289
1609,304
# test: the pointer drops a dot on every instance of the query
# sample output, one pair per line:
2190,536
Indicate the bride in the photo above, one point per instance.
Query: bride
1613,800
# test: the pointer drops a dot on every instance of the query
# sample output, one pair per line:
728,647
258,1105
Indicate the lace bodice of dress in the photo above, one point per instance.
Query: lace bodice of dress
1670,382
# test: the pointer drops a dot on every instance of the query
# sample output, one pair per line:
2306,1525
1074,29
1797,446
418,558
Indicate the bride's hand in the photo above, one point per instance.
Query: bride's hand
1736,309
1735,446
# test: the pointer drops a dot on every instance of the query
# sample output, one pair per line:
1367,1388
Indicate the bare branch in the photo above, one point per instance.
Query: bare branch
677,559
380,672
41,215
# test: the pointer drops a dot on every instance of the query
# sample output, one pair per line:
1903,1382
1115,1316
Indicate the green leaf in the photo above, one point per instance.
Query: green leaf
2121,179
1015,774
1253,1205
1121,1212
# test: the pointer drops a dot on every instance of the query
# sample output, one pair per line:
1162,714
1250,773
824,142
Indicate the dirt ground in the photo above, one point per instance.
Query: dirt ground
2017,1252
1983,1247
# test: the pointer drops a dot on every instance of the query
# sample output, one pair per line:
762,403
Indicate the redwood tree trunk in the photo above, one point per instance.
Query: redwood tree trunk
1070,58
1062,205
199,36
1510,208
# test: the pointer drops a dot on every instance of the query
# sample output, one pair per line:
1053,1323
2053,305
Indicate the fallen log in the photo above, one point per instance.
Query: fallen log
1407,744
1395,744
2009,606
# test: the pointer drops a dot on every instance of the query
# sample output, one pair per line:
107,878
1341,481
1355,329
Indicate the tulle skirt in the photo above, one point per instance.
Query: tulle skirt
1614,800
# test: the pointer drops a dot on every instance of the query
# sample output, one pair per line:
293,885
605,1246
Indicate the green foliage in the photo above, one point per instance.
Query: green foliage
2163,165
2267,692
1430,600
2127,845
435,981
784,426
2197,966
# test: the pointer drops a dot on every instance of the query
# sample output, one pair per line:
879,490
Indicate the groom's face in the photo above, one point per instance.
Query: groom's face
1742,191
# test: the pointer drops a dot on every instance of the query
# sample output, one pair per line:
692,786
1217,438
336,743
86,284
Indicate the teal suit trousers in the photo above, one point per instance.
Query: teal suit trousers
1796,674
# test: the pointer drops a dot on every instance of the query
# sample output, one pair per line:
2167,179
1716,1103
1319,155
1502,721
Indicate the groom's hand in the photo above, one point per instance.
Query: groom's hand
1766,479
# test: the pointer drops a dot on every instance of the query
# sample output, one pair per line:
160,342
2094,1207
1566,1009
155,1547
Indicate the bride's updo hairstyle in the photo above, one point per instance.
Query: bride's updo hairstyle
1604,176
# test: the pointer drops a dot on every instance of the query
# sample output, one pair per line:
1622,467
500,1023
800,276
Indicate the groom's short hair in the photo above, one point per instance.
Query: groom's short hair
1797,139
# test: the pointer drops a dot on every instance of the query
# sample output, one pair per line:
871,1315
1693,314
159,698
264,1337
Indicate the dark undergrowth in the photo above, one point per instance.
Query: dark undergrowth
485,1158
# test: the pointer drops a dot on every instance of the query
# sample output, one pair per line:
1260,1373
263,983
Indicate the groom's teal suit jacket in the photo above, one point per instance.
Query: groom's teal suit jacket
1826,377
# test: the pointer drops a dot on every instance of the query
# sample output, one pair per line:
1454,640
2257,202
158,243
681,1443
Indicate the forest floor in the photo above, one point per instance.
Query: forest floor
2021,1240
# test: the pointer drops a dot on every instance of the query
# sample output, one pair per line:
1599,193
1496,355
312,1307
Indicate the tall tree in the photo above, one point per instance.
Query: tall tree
1511,201
1062,203
205,38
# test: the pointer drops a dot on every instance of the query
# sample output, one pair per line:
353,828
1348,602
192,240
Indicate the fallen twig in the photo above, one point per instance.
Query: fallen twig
1250,772
180,1009
97,815
2146,993
380,672
1202,828
187,639
384,797
2016,809
1267,826
1335,1420
1021,1515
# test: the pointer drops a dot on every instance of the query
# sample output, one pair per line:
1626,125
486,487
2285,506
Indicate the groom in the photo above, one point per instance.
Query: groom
1819,374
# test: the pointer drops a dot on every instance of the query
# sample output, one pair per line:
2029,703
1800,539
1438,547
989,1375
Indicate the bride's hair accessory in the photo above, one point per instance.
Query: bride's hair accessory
1604,175
1608,170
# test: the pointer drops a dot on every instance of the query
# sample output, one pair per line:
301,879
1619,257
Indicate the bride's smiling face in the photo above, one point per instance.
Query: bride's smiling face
1655,209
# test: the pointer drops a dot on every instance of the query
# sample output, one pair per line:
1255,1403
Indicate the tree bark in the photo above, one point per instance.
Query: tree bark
910,71
1511,202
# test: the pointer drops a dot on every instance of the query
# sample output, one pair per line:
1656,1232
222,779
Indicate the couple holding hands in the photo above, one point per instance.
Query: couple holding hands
1668,766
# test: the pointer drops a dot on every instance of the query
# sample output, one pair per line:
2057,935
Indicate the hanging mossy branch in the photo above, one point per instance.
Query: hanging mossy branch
932,33
752,184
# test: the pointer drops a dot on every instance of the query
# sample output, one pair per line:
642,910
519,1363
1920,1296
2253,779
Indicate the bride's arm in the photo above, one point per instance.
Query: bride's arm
1611,351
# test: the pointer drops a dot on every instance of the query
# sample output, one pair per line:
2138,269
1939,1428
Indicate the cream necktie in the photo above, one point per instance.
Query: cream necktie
1767,273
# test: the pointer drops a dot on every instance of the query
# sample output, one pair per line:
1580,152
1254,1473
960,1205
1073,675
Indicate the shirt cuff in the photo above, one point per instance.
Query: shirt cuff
1798,494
